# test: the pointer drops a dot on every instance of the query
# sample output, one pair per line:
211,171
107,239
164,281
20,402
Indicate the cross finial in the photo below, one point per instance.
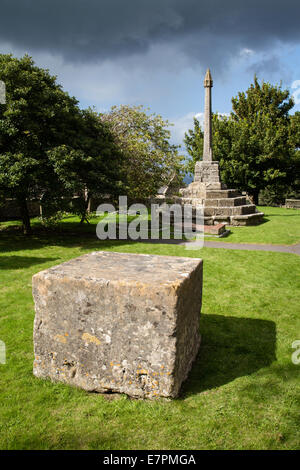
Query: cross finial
208,82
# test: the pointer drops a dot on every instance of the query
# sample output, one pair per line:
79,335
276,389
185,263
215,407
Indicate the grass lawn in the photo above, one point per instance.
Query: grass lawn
243,391
280,227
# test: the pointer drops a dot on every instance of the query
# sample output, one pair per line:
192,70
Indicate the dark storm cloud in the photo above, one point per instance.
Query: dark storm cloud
270,65
93,30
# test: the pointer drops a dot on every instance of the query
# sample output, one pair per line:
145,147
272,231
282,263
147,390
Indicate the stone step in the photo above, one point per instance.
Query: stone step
247,219
221,193
220,212
226,202
235,220
216,230
213,220
193,201
229,211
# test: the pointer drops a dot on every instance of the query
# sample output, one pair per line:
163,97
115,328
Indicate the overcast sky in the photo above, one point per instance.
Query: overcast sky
155,52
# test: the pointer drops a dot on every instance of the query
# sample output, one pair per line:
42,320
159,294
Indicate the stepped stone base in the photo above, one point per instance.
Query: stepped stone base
117,322
220,205
236,220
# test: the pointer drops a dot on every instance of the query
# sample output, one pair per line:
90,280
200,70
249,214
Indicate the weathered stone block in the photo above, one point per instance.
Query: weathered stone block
230,202
118,322
292,203
222,193
226,211
207,172
247,219
218,229
244,210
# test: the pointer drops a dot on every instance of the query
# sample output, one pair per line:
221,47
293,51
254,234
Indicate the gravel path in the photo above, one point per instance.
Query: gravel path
295,249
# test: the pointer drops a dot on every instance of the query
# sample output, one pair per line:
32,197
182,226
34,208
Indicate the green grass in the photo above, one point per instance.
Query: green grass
280,227
243,390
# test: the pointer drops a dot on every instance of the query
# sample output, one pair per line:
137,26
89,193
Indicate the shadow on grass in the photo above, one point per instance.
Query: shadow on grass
264,220
17,241
231,347
20,262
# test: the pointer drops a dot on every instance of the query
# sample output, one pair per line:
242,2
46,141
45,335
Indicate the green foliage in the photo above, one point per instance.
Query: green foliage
149,160
38,115
276,194
257,144
295,130
52,221
93,167
193,141
52,150
49,148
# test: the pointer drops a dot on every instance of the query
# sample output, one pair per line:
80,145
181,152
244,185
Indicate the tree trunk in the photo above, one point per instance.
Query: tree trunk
89,205
24,215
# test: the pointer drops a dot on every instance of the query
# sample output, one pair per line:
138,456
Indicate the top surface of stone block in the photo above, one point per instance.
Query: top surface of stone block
111,266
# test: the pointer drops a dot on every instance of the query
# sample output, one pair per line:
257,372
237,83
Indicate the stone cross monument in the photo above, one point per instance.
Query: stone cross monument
207,148
221,205
206,170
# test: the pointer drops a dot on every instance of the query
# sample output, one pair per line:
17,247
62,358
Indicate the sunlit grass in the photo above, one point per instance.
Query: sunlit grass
280,227
242,393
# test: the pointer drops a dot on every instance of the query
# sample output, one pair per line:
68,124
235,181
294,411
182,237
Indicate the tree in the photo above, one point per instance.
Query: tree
294,190
149,160
48,146
92,168
254,144
193,141
37,116
294,134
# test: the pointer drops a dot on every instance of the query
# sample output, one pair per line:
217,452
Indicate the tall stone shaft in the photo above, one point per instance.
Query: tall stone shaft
207,147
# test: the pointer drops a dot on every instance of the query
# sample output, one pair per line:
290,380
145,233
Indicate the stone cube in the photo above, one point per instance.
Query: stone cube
117,322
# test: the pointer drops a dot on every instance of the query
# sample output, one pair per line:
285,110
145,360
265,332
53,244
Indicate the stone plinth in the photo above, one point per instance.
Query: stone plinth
206,179
217,230
208,173
115,322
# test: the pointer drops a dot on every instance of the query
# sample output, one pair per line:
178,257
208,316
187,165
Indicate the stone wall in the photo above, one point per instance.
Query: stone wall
9,210
292,203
